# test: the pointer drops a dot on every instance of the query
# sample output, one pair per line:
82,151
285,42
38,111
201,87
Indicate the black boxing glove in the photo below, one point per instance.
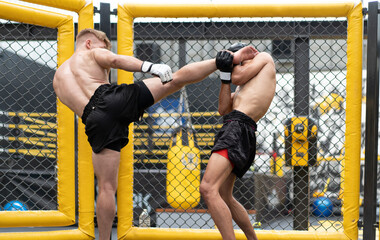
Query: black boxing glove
236,46
224,64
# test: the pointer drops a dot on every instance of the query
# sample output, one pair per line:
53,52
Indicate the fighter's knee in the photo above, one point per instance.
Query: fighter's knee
176,83
107,187
207,191
204,189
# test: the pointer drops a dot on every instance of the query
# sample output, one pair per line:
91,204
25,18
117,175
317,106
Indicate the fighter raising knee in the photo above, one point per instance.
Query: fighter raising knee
82,84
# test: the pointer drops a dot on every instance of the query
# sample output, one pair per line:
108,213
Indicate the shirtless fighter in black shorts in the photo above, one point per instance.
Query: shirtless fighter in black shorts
82,84
235,144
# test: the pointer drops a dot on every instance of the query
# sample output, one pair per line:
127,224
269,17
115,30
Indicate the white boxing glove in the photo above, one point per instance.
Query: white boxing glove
163,71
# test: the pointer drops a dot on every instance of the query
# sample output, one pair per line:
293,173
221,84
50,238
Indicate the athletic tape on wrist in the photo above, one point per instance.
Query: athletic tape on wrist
146,66
225,75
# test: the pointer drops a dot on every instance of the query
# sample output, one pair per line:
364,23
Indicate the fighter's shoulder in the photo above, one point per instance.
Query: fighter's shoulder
100,50
264,56
101,53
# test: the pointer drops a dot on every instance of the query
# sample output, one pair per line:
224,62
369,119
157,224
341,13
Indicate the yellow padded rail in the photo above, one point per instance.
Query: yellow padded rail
352,11
20,13
351,163
66,201
65,131
241,10
70,5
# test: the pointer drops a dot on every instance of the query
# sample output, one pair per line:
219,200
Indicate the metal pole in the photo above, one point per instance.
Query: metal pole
105,19
105,26
105,22
301,108
183,98
371,132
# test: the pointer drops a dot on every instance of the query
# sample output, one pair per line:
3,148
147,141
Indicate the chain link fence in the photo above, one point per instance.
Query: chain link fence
28,121
170,192
28,117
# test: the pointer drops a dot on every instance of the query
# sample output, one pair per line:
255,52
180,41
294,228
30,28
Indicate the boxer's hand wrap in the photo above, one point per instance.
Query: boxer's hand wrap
224,64
163,71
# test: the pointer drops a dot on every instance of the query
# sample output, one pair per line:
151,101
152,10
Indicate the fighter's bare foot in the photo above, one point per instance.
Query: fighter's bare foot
245,53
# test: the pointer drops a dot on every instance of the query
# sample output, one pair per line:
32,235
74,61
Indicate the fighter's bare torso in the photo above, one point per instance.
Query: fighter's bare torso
255,96
77,79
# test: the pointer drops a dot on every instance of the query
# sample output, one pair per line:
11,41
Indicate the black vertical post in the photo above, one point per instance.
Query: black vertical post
182,62
105,19
301,108
105,22
182,53
275,152
372,113
105,26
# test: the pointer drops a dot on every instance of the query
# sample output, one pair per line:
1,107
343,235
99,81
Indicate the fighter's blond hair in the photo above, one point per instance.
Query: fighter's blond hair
98,34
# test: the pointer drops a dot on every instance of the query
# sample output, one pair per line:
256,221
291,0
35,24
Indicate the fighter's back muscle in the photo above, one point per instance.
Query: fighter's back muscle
77,79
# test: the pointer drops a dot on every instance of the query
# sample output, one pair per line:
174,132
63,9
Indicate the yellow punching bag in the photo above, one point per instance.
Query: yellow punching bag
183,170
